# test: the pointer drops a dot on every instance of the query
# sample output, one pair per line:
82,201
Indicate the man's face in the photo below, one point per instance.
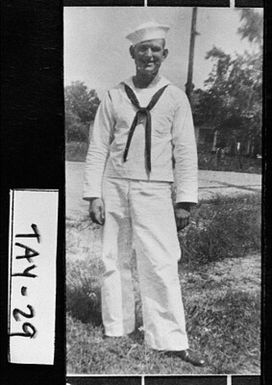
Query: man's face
149,55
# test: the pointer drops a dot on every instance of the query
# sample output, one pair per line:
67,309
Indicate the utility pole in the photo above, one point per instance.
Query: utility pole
189,85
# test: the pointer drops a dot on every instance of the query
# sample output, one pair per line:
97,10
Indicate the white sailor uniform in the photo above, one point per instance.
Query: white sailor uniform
138,208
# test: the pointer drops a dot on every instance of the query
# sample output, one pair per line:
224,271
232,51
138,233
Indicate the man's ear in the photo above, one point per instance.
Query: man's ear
131,50
165,53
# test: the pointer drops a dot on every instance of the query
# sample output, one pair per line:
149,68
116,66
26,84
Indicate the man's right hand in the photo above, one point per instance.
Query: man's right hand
97,211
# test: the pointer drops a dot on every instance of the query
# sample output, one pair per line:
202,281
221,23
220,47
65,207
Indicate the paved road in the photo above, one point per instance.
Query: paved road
210,184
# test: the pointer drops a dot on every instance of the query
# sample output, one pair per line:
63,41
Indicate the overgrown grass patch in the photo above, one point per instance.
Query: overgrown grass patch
83,290
83,282
222,228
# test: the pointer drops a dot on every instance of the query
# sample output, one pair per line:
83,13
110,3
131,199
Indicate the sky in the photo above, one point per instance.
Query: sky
97,52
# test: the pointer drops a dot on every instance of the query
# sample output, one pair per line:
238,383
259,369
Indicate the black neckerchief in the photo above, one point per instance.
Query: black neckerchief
146,112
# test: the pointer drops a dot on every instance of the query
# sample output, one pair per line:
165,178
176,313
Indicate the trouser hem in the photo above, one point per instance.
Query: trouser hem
170,349
118,333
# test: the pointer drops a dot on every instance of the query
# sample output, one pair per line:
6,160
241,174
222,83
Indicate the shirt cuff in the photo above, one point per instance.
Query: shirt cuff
88,195
89,199
185,197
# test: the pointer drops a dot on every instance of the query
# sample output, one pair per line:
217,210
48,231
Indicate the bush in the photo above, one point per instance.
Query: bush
78,133
83,297
225,227
76,151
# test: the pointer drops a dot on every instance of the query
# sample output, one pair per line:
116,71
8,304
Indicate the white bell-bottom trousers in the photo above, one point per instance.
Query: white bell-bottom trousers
140,215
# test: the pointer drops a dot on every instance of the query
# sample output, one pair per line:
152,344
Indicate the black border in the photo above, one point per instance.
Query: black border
32,115
187,380
32,148
246,380
116,380
266,205
188,3
166,3
103,3
249,3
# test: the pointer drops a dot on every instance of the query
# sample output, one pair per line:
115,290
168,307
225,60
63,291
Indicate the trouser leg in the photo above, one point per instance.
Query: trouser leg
118,309
158,251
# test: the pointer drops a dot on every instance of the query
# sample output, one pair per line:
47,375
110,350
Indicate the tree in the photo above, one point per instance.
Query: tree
232,98
76,131
252,26
80,109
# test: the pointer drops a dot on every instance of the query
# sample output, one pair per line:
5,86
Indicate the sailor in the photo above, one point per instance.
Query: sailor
142,141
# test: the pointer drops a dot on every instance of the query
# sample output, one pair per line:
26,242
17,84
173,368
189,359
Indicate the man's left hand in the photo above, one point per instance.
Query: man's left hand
182,218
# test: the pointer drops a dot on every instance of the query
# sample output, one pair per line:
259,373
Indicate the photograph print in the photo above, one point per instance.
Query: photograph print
163,123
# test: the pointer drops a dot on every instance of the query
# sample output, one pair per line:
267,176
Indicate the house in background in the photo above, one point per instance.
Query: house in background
210,138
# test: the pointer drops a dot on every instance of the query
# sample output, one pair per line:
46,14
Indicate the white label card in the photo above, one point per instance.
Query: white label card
32,276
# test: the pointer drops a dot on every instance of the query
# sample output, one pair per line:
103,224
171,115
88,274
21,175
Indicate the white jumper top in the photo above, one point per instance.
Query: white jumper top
172,137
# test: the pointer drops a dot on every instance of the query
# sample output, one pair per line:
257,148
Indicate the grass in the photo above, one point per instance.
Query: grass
221,294
223,227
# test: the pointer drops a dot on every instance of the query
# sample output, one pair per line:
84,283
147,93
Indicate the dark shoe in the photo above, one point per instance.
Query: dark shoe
188,356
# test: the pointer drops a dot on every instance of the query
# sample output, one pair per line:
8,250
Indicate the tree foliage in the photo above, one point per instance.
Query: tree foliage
80,108
252,26
232,97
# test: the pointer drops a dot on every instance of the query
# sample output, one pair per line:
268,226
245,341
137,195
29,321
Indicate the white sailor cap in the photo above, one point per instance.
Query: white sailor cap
148,31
